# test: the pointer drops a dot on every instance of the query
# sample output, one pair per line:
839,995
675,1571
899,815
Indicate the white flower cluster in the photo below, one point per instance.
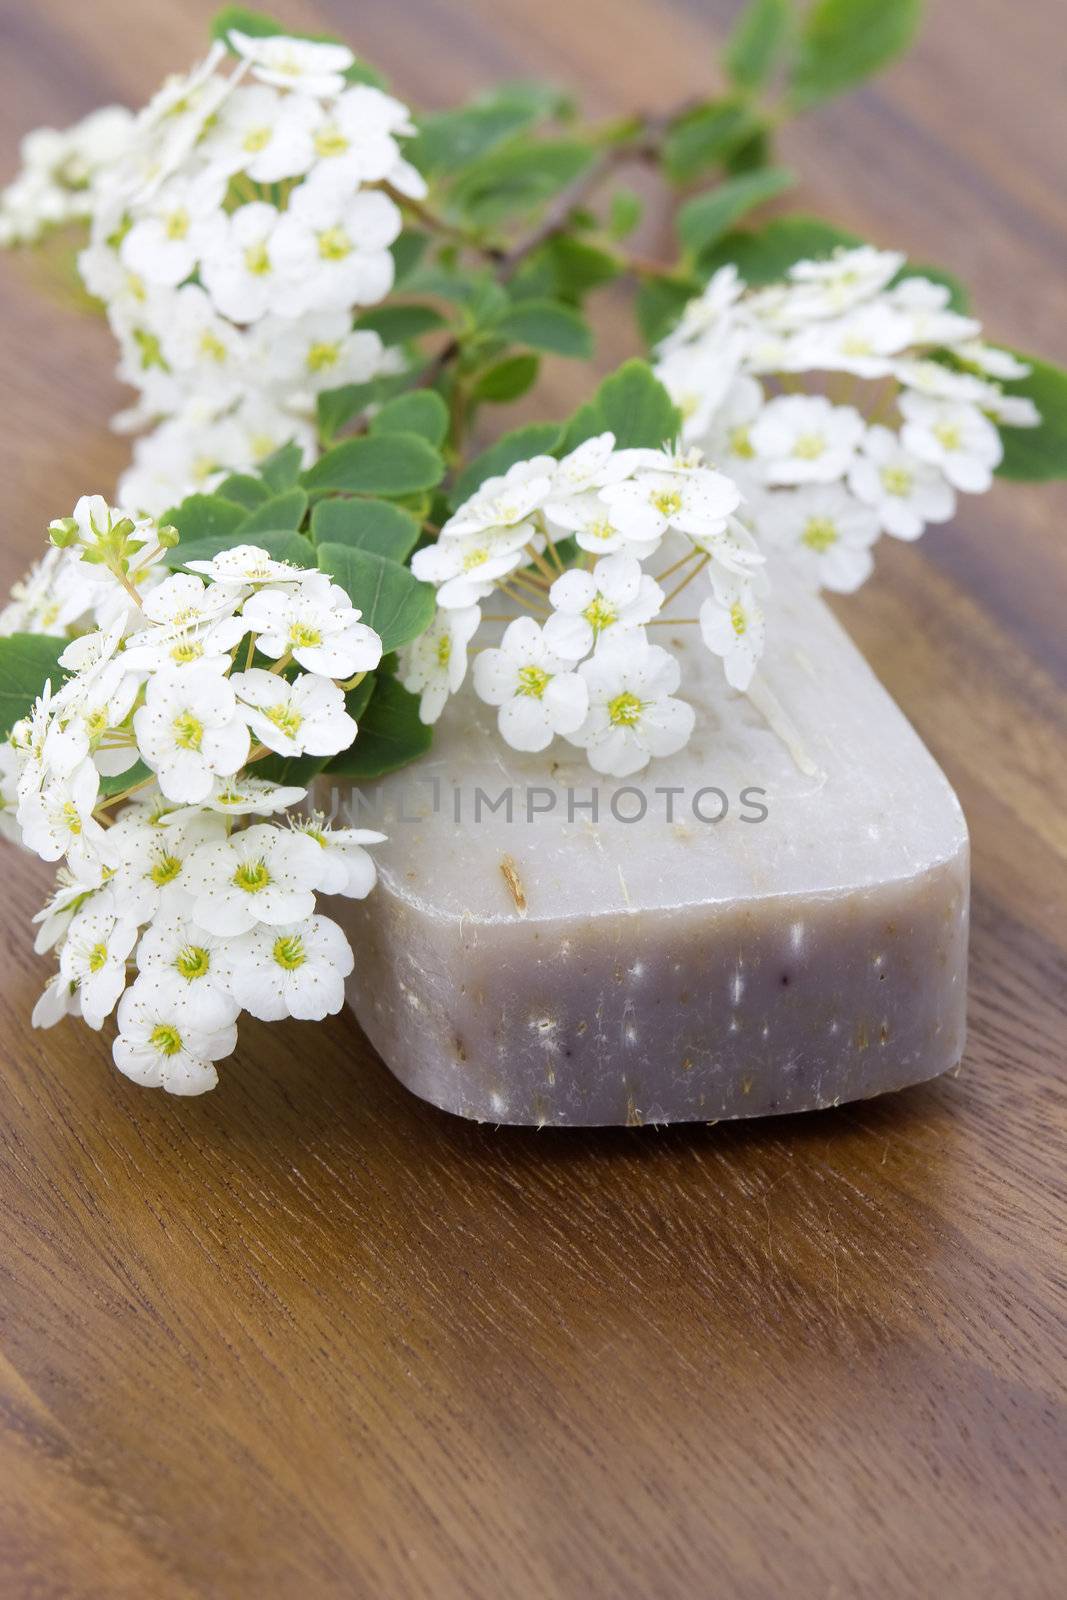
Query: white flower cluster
566,542
249,217
60,174
846,401
138,773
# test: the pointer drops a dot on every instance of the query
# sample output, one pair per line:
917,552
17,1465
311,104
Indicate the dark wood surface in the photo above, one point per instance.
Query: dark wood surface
307,1337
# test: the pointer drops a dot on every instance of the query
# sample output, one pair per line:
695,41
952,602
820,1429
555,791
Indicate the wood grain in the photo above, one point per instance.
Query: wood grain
308,1337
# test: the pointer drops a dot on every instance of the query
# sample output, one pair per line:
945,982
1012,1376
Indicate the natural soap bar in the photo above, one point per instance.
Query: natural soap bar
784,927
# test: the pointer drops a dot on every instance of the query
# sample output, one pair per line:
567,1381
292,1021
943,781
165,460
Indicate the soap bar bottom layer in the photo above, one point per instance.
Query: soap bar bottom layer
695,1013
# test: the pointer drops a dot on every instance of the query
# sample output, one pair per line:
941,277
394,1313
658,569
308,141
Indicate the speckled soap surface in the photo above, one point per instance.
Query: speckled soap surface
806,948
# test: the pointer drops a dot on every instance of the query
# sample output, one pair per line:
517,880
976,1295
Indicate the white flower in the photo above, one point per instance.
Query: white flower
189,730
166,131
247,564
956,438
263,133
692,498
805,439
468,565
848,277
83,721
435,664
247,796
599,528
263,874
198,962
860,342
721,293
206,350
59,999
165,1042
931,319
345,867
632,715
537,692
333,246
729,442
824,532
94,957
305,64
185,601
242,274
58,820
907,493
68,896
9,768
150,878
732,626
506,501
297,970
591,605
698,376
317,351
316,624
180,225
991,360
943,383
593,464
355,134
306,716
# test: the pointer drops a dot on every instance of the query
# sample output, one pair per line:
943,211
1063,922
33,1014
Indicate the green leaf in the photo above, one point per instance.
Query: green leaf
205,516
27,662
758,41
422,412
507,380
450,140
407,250
281,469
535,439
396,324
388,465
281,511
1038,454
393,601
514,181
702,222
564,269
633,405
546,325
370,524
765,255
244,490
844,41
659,304
280,543
625,210
390,734
705,137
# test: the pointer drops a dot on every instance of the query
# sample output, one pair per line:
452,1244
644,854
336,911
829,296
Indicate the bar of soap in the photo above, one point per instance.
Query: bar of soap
556,969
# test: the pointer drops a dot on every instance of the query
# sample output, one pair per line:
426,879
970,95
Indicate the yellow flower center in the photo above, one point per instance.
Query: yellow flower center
186,650
330,141
897,480
71,817
188,731
334,244
96,723
740,444
176,225
738,618
602,529
475,558
624,711
252,877
285,719
212,347
193,961
302,636
97,957
151,349
321,357
289,951
164,870
809,446
668,502
600,614
257,260
819,534
256,139
533,681
166,1039
948,435
444,650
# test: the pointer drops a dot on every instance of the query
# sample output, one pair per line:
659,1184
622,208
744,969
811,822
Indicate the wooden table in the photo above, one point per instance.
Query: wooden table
307,1337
